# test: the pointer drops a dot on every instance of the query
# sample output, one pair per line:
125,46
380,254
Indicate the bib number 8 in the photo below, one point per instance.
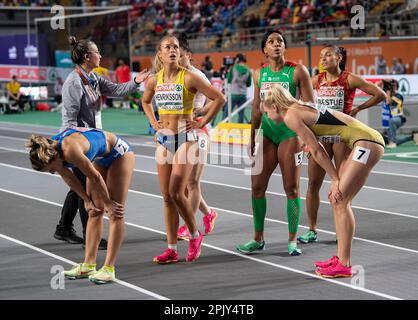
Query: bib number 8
203,144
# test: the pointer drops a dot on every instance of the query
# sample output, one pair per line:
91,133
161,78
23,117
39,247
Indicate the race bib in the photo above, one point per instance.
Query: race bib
266,86
298,158
203,142
331,97
121,146
169,96
361,155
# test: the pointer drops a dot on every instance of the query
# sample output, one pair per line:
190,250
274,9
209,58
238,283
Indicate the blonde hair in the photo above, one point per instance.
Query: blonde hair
280,97
42,151
158,64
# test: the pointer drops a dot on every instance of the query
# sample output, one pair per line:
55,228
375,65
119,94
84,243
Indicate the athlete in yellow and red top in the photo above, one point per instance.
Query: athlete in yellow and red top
335,89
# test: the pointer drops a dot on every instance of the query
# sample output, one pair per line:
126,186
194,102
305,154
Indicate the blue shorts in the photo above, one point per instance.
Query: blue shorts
121,147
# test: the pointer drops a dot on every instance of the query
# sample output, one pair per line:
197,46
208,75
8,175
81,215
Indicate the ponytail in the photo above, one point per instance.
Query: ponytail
79,48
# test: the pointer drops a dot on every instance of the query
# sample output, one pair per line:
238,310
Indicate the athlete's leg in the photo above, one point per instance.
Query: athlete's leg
180,174
352,178
316,177
171,217
259,184
94,224
203,156
118,180
193,186
290,160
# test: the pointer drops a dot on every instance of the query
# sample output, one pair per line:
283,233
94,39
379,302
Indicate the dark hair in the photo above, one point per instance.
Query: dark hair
184,44
267,34
79,49
339,51
240,58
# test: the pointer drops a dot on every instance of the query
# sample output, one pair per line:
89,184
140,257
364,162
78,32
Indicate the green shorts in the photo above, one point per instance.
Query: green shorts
276,133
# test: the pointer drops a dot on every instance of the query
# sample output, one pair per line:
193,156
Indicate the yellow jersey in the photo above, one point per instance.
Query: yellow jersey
13,87
328,128
173,98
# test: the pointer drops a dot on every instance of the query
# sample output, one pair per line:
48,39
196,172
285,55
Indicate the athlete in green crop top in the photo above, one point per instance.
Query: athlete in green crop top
277,144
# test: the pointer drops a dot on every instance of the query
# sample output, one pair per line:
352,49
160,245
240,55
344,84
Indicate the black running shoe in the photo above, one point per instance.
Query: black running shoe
69,236
102,244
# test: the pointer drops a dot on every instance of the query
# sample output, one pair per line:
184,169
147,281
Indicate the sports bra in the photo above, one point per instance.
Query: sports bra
173,98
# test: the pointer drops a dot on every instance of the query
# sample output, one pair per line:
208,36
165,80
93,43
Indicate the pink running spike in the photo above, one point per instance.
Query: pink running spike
183,233
326,263
335,270
168,256
195,246
209,221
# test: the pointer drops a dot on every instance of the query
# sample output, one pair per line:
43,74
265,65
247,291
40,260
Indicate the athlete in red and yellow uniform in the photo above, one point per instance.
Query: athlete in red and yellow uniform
335,89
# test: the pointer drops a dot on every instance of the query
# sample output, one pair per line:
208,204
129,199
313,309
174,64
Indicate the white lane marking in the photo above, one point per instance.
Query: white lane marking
281,194
152,144
240,213
50,254
285,223
243,170
236,187
284,195
276,265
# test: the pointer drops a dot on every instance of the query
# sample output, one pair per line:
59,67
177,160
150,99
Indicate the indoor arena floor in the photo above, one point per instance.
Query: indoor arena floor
385,249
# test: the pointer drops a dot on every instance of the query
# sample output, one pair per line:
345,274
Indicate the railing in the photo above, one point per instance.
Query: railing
296,34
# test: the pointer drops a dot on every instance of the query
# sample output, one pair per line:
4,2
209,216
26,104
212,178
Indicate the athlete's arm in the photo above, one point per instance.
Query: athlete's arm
295,121
256,113
71,180
108,88
356,82
303,81
73,154
147,102
195,82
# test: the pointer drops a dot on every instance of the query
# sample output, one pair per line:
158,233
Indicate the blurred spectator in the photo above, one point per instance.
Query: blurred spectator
123,74
381,65
398,67
397,118
13,92
58,90
239,77
207,67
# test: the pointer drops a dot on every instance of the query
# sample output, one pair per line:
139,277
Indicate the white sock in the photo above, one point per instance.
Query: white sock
195,235
172,247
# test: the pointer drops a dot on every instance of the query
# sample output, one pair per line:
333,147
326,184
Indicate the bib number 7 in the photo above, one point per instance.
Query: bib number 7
361,155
